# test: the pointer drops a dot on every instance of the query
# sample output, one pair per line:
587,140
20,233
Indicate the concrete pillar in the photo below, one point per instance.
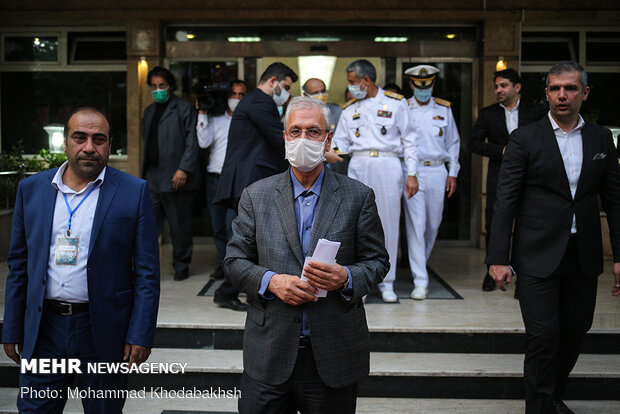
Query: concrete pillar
144,51
502,38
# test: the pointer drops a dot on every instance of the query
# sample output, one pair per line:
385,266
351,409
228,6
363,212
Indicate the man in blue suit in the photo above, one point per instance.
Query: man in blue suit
83,276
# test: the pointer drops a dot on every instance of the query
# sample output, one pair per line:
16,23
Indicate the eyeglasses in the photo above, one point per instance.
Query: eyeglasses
312,133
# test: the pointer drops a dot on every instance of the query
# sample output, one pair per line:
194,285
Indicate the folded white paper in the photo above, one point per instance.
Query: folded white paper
325,252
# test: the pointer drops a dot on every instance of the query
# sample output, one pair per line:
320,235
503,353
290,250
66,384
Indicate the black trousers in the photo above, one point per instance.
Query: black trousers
177,208
227,290
557,312
304,392
488,217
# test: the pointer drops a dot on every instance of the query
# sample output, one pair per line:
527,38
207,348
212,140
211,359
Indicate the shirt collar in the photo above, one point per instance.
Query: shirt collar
556,127
60,186
513,109
316,187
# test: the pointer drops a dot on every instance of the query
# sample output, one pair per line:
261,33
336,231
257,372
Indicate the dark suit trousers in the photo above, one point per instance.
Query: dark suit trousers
226,289
304,392
557,312
67,337
177,208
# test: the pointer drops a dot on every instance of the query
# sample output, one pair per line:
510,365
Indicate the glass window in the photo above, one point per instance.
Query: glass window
544,47
211,79
31,49
602,48
33,100
599,107
87,47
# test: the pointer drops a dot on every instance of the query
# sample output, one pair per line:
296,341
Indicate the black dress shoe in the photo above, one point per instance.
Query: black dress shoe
230,303
488,284
217,274
181,276
561,408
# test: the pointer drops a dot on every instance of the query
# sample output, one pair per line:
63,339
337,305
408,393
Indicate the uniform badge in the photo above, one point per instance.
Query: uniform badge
357,132
440,132
438,117
383,130
356,116
384,114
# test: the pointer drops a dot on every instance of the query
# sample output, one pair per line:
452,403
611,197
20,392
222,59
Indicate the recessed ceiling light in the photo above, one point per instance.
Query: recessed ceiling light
244,39
391,39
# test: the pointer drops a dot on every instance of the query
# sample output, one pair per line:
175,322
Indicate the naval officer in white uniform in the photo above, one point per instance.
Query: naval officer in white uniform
438,167
376,129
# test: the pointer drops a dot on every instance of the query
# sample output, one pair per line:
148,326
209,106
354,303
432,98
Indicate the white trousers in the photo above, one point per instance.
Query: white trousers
423,214
385,177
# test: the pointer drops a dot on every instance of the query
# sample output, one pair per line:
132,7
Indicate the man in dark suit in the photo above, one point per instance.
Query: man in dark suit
490,136
170,163
301,352
83,276
549,182
255,149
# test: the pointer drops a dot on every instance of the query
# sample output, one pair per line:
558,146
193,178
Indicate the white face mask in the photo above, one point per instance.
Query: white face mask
356,91
305,154
232,103
282,98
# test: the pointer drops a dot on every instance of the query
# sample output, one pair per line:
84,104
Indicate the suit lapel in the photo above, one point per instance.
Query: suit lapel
502,118
106,194
286,214
329,202
547,136
47,206
170,109
588,154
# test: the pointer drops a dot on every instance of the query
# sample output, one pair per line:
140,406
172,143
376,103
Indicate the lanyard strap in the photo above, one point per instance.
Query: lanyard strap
71,212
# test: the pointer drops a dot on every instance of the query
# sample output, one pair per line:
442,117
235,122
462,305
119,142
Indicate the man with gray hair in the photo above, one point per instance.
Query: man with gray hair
376,129
302,352
550,179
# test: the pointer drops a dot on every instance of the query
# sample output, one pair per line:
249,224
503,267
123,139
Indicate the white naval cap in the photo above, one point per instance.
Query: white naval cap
422,76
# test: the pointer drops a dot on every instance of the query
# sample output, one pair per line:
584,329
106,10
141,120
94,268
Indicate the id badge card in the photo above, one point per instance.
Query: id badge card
66,250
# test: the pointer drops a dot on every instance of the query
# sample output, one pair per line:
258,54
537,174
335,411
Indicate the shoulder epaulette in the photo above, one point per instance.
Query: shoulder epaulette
442,102
349,102
393,95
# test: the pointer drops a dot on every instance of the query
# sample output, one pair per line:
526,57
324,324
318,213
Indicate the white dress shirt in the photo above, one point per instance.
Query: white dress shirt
69,282
213,132
571,148
512,117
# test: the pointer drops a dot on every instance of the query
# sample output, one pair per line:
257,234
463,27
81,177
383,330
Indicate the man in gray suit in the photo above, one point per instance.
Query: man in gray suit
300,352
170,163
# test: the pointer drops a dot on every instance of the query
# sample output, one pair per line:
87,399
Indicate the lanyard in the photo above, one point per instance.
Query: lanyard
71,212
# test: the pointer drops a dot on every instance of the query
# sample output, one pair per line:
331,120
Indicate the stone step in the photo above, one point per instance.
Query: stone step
419,375
156,404
471,340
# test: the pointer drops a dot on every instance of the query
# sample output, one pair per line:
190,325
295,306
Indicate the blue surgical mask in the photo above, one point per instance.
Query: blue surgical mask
423,95
356,91
160,95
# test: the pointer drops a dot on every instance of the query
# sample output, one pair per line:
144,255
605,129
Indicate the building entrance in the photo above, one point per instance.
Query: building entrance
206,58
